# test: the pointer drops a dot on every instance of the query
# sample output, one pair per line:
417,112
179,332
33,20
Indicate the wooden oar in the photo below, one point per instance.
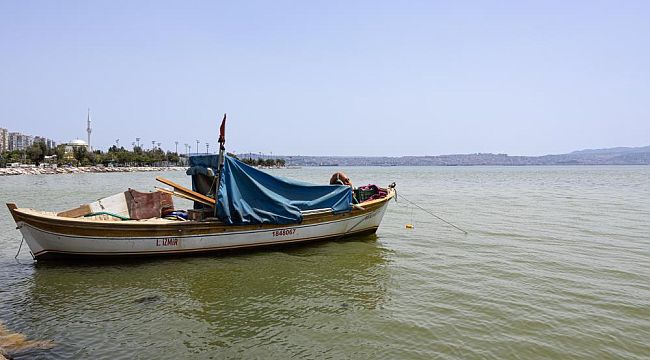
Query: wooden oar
183,196
186,191
76,212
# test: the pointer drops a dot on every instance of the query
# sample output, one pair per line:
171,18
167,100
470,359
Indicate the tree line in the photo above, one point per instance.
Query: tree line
263,162
80,156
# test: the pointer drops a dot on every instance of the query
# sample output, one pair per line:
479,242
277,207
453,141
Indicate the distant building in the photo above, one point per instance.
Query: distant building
77,143
11,141
49,144
28,141
18,141
71,146
15,141
4,140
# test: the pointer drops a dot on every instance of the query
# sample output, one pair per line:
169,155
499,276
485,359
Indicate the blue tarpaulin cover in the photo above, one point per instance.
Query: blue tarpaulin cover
203,168
251,196
205,164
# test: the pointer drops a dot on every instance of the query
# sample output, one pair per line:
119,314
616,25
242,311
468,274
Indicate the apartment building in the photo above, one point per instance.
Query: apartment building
4,140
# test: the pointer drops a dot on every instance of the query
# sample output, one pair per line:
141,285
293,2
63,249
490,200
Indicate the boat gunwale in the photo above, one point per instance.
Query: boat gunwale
149,233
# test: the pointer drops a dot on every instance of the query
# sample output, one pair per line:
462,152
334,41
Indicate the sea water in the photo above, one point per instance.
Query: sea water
555,265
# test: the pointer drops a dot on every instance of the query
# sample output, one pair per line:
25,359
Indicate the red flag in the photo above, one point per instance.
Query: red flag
222,131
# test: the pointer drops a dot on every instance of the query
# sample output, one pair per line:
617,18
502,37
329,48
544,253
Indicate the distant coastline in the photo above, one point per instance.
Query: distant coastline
610,156
84,169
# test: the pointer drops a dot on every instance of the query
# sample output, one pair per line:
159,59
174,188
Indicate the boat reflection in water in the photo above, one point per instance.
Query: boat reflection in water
243,306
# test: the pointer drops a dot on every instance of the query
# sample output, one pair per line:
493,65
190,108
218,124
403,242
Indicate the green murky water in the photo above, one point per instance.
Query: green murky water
556,265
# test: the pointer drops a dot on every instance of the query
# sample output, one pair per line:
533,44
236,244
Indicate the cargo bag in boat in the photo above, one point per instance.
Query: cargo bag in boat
148,205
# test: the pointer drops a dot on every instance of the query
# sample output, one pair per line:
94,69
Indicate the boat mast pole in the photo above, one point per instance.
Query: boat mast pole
222,149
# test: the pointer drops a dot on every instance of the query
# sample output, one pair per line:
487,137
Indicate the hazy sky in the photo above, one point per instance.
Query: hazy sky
331,78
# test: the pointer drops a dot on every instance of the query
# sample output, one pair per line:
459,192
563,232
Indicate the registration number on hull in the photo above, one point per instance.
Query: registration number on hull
284,232
167,242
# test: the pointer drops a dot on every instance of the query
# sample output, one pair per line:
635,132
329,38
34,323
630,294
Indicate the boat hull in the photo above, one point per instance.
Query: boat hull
49,237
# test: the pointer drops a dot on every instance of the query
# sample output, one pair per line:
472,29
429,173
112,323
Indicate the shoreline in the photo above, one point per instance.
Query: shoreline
85,169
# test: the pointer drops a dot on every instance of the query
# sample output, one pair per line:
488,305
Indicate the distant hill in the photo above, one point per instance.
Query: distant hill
614,151
611,156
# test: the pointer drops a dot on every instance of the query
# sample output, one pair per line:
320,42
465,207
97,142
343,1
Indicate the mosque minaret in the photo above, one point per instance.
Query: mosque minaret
89,130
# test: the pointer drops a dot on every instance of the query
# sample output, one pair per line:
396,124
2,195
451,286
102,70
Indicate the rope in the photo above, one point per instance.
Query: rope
108,213
19,247
432,214
352,228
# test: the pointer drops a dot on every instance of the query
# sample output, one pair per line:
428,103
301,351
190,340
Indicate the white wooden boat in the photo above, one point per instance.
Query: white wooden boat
50,236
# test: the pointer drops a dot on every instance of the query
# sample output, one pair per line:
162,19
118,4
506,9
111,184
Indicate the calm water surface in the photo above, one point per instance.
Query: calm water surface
556,266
